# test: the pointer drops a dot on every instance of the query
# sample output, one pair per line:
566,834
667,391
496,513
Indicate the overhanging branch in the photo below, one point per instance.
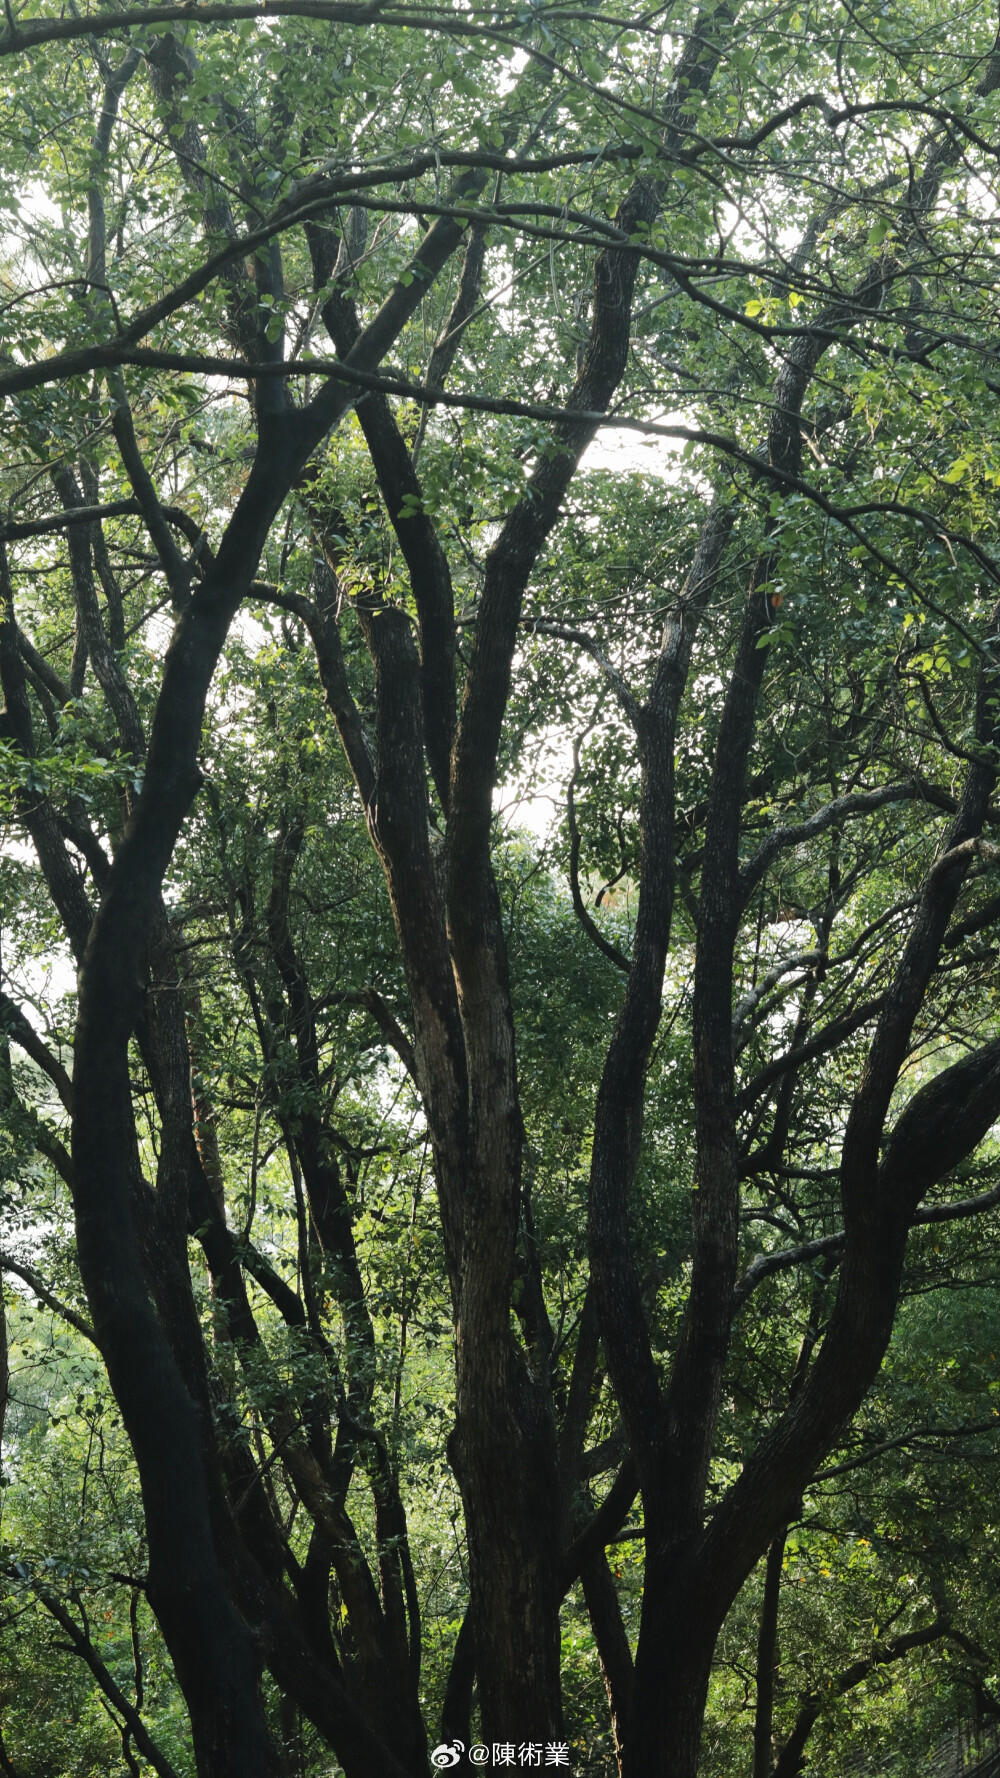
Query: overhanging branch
832,1246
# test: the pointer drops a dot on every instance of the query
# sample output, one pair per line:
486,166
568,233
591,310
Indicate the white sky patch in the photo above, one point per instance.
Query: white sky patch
36,981
626,453
515,66
536,801
36,204
537,810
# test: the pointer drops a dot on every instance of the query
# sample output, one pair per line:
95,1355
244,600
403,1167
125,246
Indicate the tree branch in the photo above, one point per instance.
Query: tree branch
27,1039
836,1032
619,685
842,808
744,1007
29,1276
605,945
790,1760
832,1246
83,1647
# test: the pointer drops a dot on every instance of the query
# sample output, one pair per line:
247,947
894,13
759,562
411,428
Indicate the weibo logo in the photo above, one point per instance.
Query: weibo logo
448,1754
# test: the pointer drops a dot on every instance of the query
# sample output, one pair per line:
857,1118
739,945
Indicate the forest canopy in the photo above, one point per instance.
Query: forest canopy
499,1036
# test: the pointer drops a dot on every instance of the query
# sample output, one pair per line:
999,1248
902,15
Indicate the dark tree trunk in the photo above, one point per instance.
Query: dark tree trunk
767,1660
612,1642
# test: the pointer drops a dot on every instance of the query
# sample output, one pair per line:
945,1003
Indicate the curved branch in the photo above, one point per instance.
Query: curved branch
386,1020
605,945
836,1032
83,1646
30,1277
790,1760
832,1246
842,808
27,1039
617,681
962,855
605,1524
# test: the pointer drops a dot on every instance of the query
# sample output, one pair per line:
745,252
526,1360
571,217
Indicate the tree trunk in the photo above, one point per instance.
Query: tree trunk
613,1649
665,1732
767,1649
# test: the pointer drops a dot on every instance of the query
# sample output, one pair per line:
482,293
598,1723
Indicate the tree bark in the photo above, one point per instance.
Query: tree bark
767,1659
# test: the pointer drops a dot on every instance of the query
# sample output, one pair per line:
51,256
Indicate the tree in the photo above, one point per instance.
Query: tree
271,284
